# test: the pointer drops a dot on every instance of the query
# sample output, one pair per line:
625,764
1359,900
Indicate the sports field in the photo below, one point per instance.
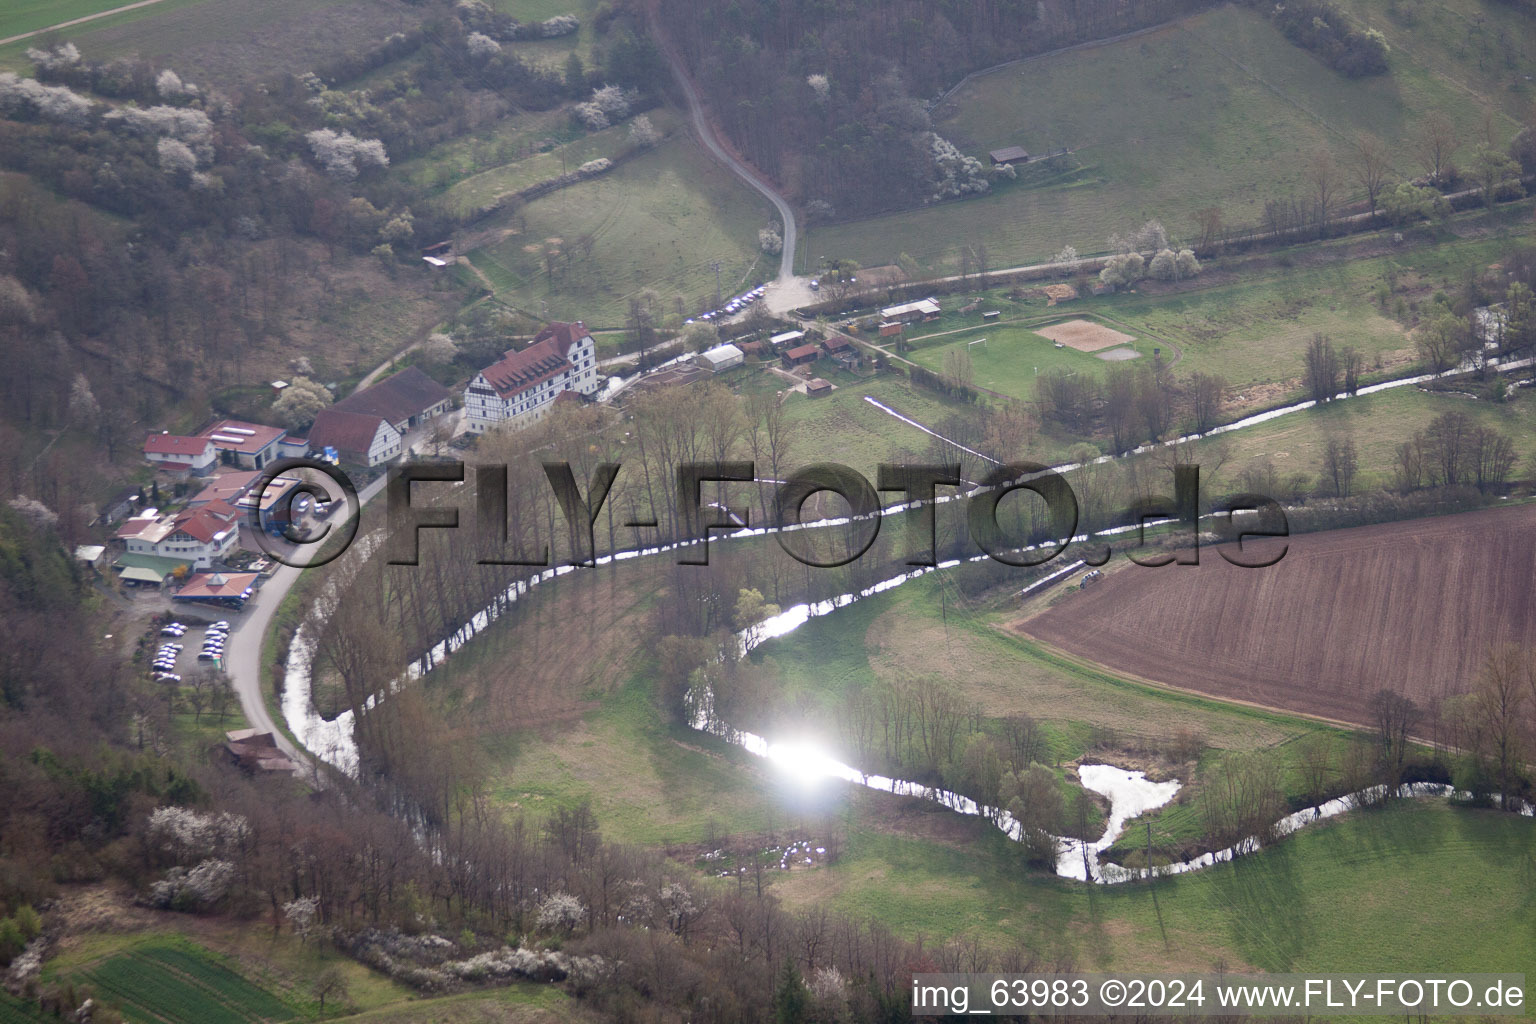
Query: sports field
1006,359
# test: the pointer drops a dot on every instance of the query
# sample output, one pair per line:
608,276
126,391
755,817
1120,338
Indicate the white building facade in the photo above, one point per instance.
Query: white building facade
521,387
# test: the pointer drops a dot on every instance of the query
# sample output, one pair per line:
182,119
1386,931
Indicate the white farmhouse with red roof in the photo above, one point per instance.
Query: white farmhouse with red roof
179,453
520,388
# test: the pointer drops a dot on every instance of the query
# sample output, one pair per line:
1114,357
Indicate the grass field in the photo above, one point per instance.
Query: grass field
164,983
657,222
230,972
843,427
1012,357
647,783
1415,887
32,15
470,171
1218,109
1377,424
228,42
1253,327
552,53
1337,897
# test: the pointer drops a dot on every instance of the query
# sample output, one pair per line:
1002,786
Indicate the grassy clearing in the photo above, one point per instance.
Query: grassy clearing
227,42
1255,329
552,53
521,150
1012,357
1217,109
656,222
1377,423
843,427
928,627
647,783
1407,888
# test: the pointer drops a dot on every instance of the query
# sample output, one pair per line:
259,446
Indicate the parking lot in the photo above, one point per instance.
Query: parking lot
186,645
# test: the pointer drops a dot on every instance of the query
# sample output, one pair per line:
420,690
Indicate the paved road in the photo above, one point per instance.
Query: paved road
244,649
77,21
706,133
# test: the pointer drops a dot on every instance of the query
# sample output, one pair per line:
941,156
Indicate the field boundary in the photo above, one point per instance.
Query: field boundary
77,21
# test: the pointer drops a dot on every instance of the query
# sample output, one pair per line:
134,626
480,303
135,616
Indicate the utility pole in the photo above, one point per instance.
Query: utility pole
716,265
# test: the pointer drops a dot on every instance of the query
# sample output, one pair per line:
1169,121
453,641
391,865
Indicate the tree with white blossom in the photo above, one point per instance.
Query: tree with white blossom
341,154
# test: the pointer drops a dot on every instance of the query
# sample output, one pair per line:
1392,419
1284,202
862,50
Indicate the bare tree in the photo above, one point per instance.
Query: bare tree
1339,463
330,983
1322,368
1435,146
1323,177
1206,391
1352,363
1494,719
1370,162
1394,716
1208,220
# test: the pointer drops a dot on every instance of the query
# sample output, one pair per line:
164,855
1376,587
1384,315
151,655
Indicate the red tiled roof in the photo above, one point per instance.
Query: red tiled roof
207,584
351,432
398,397
202,524
135,526
227,487
174,444
248,443
546,357
221,508
803,351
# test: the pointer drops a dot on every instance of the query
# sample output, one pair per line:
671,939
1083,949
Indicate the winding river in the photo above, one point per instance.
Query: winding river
1128,793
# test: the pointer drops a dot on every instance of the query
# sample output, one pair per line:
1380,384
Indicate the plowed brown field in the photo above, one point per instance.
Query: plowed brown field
1412,606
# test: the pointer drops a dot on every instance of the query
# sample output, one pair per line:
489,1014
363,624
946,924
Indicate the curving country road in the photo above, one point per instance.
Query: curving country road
245,638
706,134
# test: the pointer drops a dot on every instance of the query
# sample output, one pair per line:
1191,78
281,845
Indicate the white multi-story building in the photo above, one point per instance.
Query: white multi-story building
199,536
520,388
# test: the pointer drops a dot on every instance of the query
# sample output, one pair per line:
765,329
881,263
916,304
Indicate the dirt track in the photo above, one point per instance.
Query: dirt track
1412,606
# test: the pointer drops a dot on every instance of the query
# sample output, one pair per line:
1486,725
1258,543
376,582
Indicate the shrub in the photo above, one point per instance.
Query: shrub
1122,270
340,154
25,97
481,46
589,116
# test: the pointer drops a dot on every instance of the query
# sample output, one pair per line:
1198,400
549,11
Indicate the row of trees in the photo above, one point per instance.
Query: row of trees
1130,406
